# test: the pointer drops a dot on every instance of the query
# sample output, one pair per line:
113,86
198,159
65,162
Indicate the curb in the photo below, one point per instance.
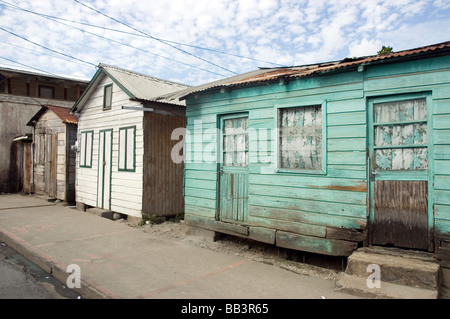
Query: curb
88,289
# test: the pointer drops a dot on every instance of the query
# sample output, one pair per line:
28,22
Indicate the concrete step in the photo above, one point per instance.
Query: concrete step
357,286
403,273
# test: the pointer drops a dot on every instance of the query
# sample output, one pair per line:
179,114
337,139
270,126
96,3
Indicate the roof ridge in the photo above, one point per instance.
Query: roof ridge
134,73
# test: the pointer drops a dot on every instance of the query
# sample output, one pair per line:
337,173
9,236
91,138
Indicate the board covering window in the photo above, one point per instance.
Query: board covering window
107,97
86,149
40,149
300,138
127,139
46,92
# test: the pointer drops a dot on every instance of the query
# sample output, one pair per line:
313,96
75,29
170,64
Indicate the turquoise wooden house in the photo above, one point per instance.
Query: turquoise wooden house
325,158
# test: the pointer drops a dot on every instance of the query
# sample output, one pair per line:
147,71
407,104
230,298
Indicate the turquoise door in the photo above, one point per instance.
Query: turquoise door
233,174
399,166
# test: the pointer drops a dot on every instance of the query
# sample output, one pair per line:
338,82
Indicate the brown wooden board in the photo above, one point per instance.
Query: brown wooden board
27,168
401,214
163,178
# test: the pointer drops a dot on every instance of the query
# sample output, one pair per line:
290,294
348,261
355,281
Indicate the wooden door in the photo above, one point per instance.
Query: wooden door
233,174
52,178
399,173
27,168
50,165
104,169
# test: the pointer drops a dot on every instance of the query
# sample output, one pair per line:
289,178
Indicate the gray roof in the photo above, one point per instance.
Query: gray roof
9,69
180,95
136,85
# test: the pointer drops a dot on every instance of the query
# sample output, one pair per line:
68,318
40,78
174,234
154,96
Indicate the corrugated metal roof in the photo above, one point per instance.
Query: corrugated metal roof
274,74
62,112
140,86
313,69
136,85
8,69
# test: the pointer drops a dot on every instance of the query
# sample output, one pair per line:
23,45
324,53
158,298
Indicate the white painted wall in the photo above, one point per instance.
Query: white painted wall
126,187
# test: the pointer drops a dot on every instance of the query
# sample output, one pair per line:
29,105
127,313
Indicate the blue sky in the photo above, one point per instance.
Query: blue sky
199,41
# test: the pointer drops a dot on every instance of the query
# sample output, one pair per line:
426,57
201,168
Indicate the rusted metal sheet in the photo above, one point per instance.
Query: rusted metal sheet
401,214
274,74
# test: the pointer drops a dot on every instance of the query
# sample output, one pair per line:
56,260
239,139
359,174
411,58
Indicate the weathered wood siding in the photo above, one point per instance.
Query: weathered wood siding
430,76
71,137
323,212
300,204
46,181
163,178
126,187
27,87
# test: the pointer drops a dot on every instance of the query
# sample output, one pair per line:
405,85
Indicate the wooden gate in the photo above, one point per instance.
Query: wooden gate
233,174
399,172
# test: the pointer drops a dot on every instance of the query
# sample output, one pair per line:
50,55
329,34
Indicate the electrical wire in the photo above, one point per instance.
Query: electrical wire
28,66
121,43
35,51
152,37
139,35
46,48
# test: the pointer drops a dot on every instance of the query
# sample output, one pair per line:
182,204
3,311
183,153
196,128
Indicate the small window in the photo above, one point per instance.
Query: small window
300,138
86,149
127,139
401,135
235,141
107,97
46,92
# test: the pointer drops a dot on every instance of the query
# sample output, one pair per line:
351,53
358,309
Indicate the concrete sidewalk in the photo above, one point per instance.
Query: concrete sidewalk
119,261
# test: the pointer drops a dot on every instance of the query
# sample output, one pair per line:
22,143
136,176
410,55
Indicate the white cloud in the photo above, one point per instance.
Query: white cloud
364,47
280,31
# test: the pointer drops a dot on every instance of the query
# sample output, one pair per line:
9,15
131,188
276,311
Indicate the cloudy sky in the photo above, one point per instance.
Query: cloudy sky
198,41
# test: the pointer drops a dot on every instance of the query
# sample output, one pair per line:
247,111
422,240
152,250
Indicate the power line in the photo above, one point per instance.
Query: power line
152,37
145,36
53,18
115,41
35,51
28,66
140,35
44,47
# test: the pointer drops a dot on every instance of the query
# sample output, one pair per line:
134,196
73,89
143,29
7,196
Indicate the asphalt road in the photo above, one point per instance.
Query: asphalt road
22,279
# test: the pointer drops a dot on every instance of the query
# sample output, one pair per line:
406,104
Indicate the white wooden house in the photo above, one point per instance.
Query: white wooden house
124,145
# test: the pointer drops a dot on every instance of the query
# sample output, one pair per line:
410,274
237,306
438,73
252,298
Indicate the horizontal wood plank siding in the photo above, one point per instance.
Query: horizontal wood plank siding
441,153
306,204
126,187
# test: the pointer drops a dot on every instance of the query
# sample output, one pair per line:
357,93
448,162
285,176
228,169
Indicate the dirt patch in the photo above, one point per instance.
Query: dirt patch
325,267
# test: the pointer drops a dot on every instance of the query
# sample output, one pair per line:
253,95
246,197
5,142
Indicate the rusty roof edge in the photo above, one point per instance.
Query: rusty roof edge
65,118
266,75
